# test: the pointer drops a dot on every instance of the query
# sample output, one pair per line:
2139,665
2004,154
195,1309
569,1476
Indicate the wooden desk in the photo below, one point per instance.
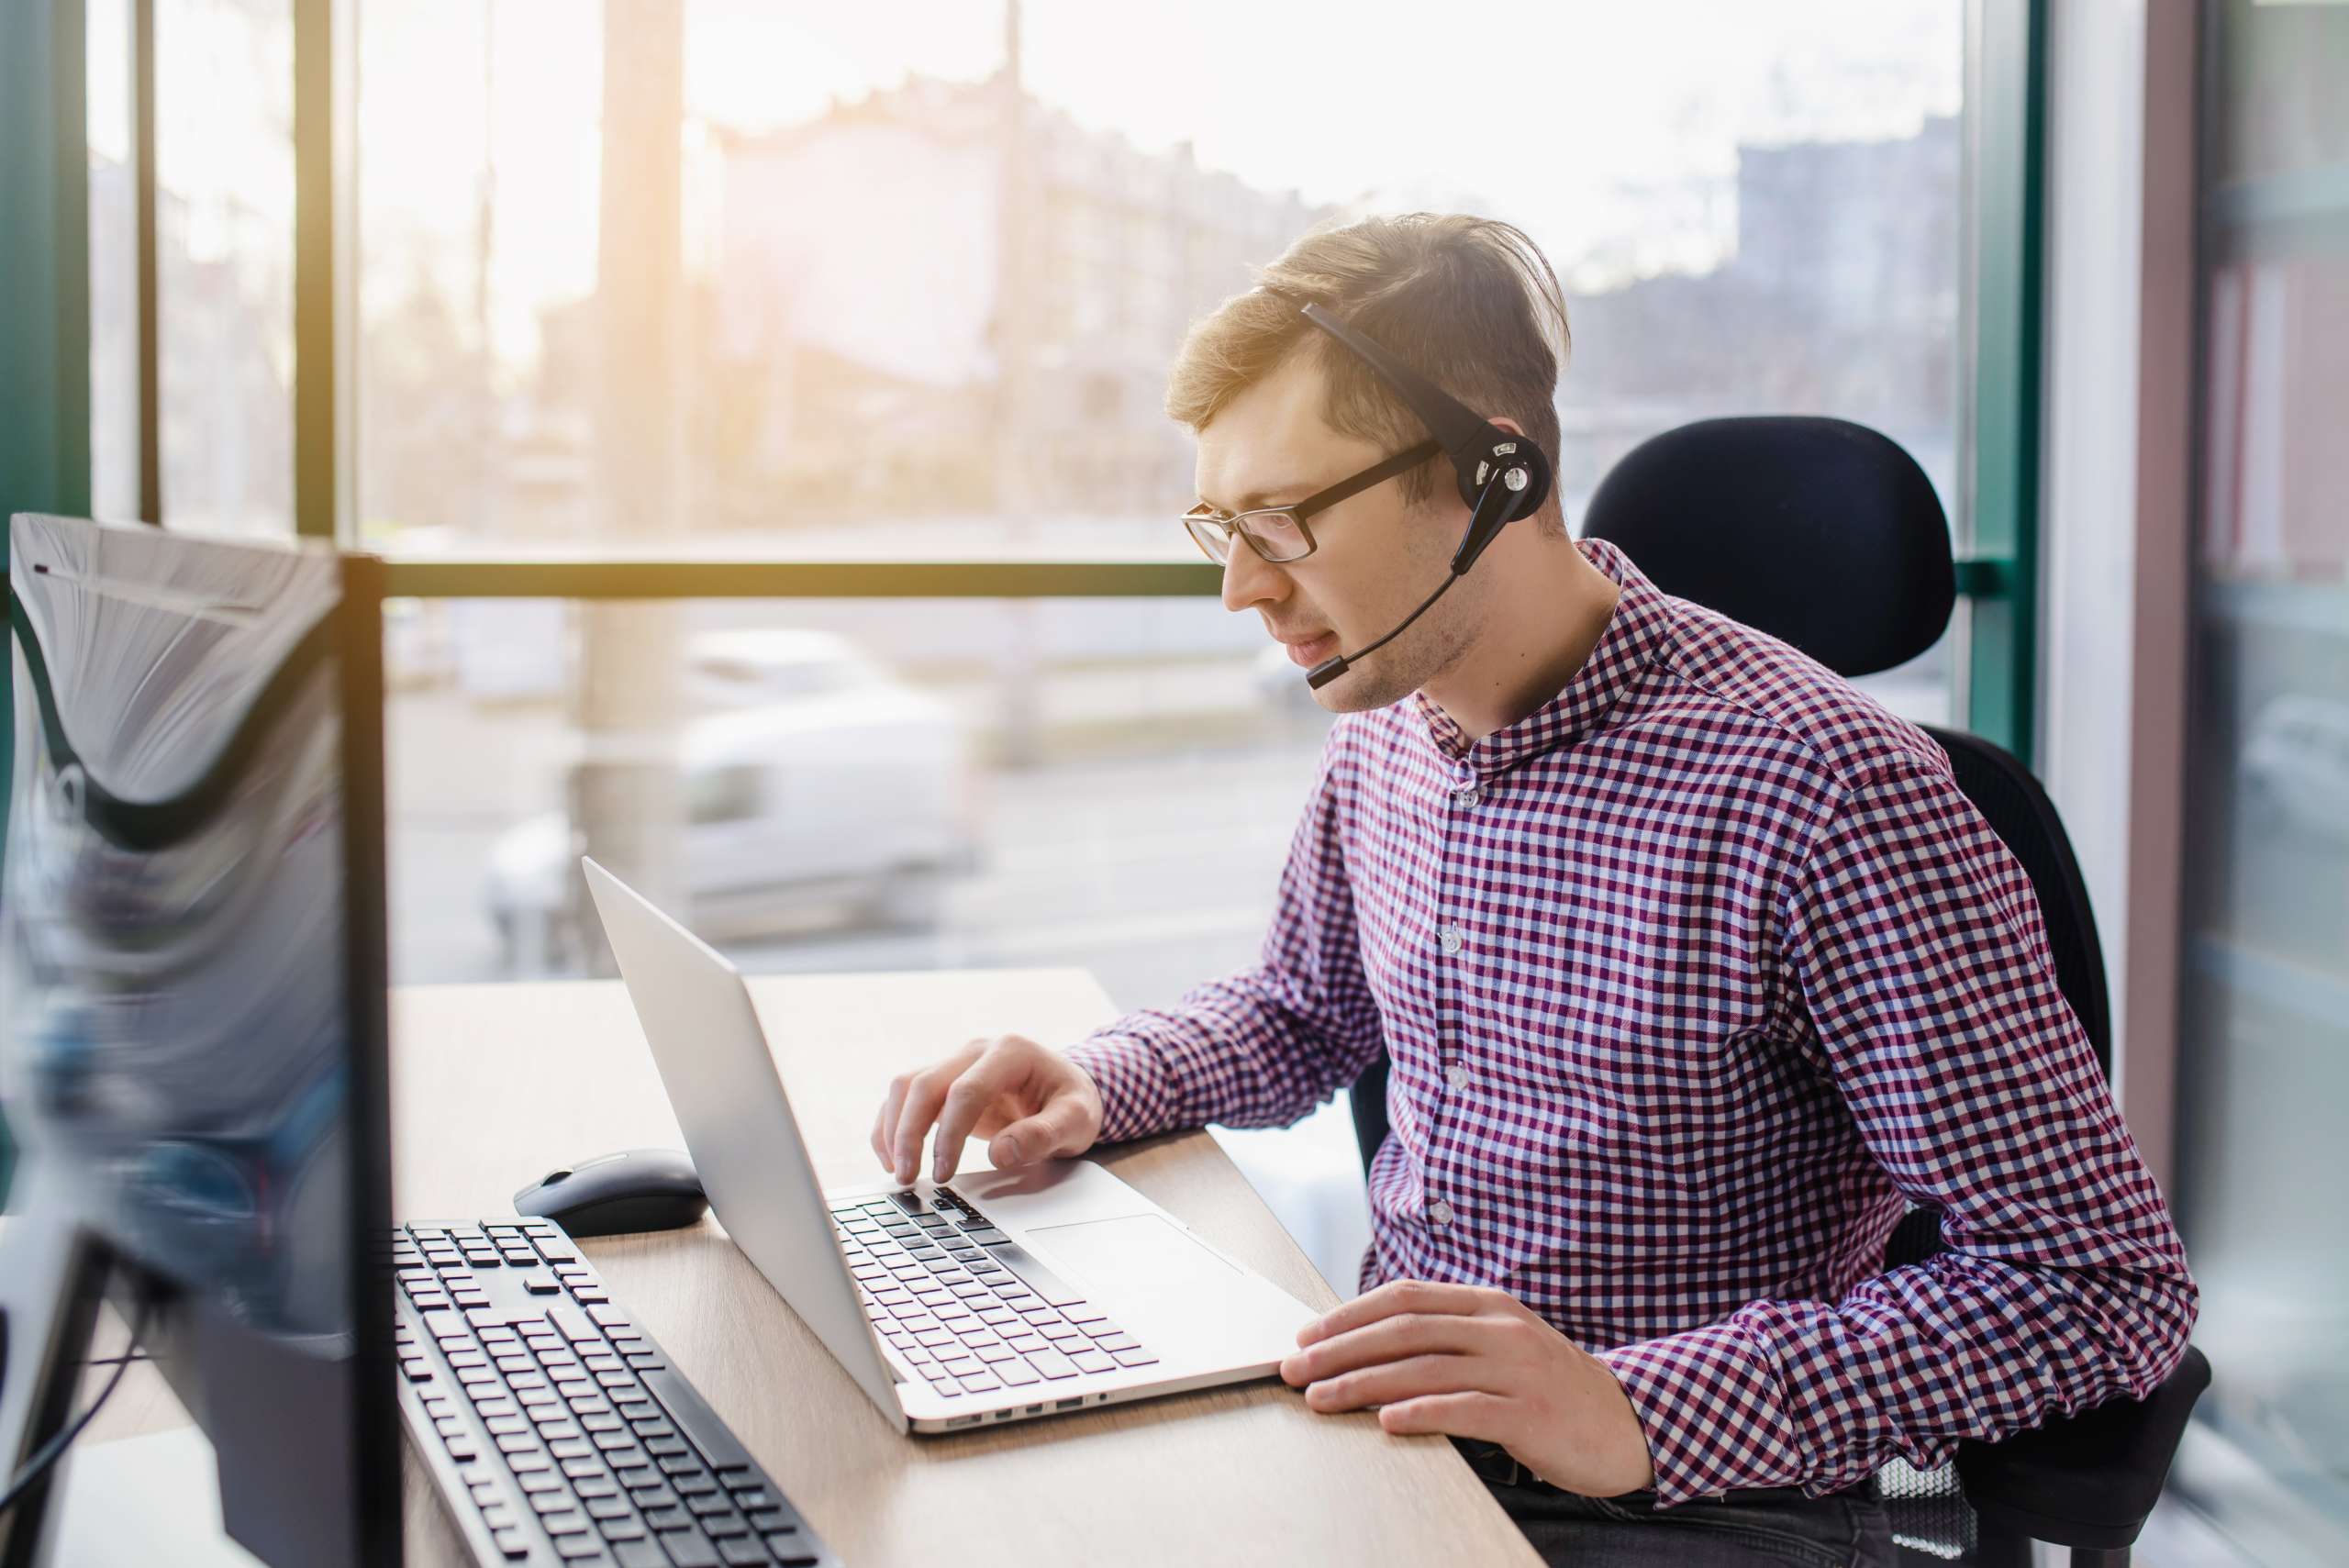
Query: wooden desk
494,1083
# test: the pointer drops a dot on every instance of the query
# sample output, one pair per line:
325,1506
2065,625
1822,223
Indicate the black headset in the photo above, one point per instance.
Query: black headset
1502,477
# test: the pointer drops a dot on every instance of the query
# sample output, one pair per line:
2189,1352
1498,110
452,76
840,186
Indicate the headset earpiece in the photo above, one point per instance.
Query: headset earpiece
1522,468
1510,481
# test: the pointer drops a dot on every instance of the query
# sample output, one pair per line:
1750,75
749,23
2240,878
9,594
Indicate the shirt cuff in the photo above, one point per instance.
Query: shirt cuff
1136,1097
1709,1401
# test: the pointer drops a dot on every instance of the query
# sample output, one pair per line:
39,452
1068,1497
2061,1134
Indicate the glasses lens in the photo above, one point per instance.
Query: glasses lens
1277,536
1210,537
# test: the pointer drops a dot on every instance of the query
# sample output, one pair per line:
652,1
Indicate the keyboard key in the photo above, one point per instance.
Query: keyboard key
981,1383
641,1553
571,1547
1136,1356
513,1543
1014,1372
1051,1363
668,1518
743,1553
689,1549
1092,1361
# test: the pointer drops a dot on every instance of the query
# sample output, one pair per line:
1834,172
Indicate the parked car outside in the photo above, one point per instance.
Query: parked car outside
817,788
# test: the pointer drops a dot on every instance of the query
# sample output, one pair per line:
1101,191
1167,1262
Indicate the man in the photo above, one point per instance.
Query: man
1694,966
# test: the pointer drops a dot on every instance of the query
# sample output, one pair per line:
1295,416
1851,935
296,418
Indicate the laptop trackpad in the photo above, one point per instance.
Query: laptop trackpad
1140,1256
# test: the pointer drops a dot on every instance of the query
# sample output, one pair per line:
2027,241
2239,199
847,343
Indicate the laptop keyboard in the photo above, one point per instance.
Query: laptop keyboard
969,1308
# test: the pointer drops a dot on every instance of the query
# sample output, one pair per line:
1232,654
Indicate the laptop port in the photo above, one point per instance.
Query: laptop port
1070,1403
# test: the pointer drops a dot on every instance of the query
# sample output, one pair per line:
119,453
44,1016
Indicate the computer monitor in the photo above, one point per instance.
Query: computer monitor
192,1015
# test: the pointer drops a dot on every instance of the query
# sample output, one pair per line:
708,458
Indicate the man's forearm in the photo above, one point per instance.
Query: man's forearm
1241,1052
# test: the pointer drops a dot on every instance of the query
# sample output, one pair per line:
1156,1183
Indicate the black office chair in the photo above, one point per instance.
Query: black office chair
1827,535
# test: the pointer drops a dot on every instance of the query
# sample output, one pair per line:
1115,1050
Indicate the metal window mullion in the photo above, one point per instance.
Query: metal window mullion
1978,577
2008,107
151,380
317,135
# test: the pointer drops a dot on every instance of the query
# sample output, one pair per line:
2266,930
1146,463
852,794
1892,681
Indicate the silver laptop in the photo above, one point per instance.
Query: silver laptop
996,1296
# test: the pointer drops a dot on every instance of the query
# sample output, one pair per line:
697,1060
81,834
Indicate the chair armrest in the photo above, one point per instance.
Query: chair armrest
2088,1479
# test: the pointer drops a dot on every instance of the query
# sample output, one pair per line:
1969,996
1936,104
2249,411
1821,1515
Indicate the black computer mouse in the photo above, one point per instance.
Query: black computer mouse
637,1189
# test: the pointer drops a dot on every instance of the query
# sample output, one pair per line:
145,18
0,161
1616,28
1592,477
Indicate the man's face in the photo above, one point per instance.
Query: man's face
1377,558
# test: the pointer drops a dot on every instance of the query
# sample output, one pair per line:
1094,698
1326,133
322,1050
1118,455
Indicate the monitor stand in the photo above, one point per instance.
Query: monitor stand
53,1271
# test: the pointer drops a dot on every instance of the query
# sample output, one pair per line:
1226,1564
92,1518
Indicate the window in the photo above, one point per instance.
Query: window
915,309
2263,1014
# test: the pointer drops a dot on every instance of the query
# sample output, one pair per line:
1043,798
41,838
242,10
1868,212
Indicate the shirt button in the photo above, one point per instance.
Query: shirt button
1468,796
1457,1076
1448,937
1438,1213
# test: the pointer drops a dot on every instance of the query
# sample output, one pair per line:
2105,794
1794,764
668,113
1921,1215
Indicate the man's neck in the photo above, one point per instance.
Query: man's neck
1549,609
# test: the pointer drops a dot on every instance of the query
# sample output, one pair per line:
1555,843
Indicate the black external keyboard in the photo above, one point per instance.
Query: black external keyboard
971,1310
555,1429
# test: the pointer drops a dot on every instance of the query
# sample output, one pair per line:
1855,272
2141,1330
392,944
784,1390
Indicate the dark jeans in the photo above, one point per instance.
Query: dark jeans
1772,1525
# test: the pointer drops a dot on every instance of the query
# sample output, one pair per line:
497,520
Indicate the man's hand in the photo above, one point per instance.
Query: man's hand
1031,1101
1476,1363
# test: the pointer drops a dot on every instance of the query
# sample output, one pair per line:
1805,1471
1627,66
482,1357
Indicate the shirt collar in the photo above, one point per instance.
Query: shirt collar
1641,626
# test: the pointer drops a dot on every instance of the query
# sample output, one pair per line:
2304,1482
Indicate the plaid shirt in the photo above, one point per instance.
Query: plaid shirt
1693,980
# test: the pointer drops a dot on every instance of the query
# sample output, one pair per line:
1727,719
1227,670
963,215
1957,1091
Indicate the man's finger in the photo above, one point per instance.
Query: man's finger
980,1082
885,1128
1398,1296
923,1096
1389,1340
1487,1418
1414,1377
1052,1130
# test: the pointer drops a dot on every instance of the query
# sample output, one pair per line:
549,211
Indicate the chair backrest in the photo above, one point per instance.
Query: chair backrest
1826,535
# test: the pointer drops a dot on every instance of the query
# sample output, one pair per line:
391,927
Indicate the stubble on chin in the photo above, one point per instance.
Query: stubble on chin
1406,664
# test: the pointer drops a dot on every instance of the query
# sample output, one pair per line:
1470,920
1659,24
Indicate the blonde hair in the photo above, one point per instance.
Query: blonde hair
1470,303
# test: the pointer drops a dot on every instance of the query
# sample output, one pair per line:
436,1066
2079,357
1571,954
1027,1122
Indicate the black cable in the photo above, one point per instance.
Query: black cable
54,1449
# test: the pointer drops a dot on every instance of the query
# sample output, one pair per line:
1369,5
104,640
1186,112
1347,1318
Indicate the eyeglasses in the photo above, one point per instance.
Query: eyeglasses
1279,534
